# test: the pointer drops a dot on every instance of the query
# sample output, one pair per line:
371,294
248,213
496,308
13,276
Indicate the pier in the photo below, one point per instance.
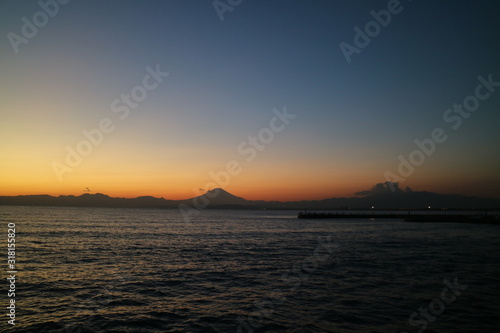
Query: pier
408,217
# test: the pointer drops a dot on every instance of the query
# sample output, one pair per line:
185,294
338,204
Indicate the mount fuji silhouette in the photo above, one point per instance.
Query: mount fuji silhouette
218,198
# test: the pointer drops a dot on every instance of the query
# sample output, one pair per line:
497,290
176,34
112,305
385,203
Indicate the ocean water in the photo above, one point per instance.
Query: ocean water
140,270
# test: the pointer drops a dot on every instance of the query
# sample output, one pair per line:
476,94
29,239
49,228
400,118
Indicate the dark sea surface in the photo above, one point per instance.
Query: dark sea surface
146,270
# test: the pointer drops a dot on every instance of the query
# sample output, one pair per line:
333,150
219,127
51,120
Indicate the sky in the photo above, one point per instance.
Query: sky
272,100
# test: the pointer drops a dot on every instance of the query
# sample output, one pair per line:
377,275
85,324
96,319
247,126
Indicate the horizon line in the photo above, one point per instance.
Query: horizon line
219,188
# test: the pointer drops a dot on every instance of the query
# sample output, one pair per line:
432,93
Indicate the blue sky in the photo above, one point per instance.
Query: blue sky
353,120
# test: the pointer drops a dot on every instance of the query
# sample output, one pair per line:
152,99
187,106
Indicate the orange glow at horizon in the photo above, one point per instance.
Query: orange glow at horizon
176,173
249,185
174,184
123,167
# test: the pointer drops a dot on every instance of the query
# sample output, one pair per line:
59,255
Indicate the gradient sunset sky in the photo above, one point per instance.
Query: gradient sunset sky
225,78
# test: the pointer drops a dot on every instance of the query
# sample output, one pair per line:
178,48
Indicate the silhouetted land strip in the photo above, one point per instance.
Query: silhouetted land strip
221,199
408,217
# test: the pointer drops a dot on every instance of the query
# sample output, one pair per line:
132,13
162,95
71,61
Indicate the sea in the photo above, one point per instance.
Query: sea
153,270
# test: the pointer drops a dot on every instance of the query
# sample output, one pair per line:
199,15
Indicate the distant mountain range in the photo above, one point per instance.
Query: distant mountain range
377,198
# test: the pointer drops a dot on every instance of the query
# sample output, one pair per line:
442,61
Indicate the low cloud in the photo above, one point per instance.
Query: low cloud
383,188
